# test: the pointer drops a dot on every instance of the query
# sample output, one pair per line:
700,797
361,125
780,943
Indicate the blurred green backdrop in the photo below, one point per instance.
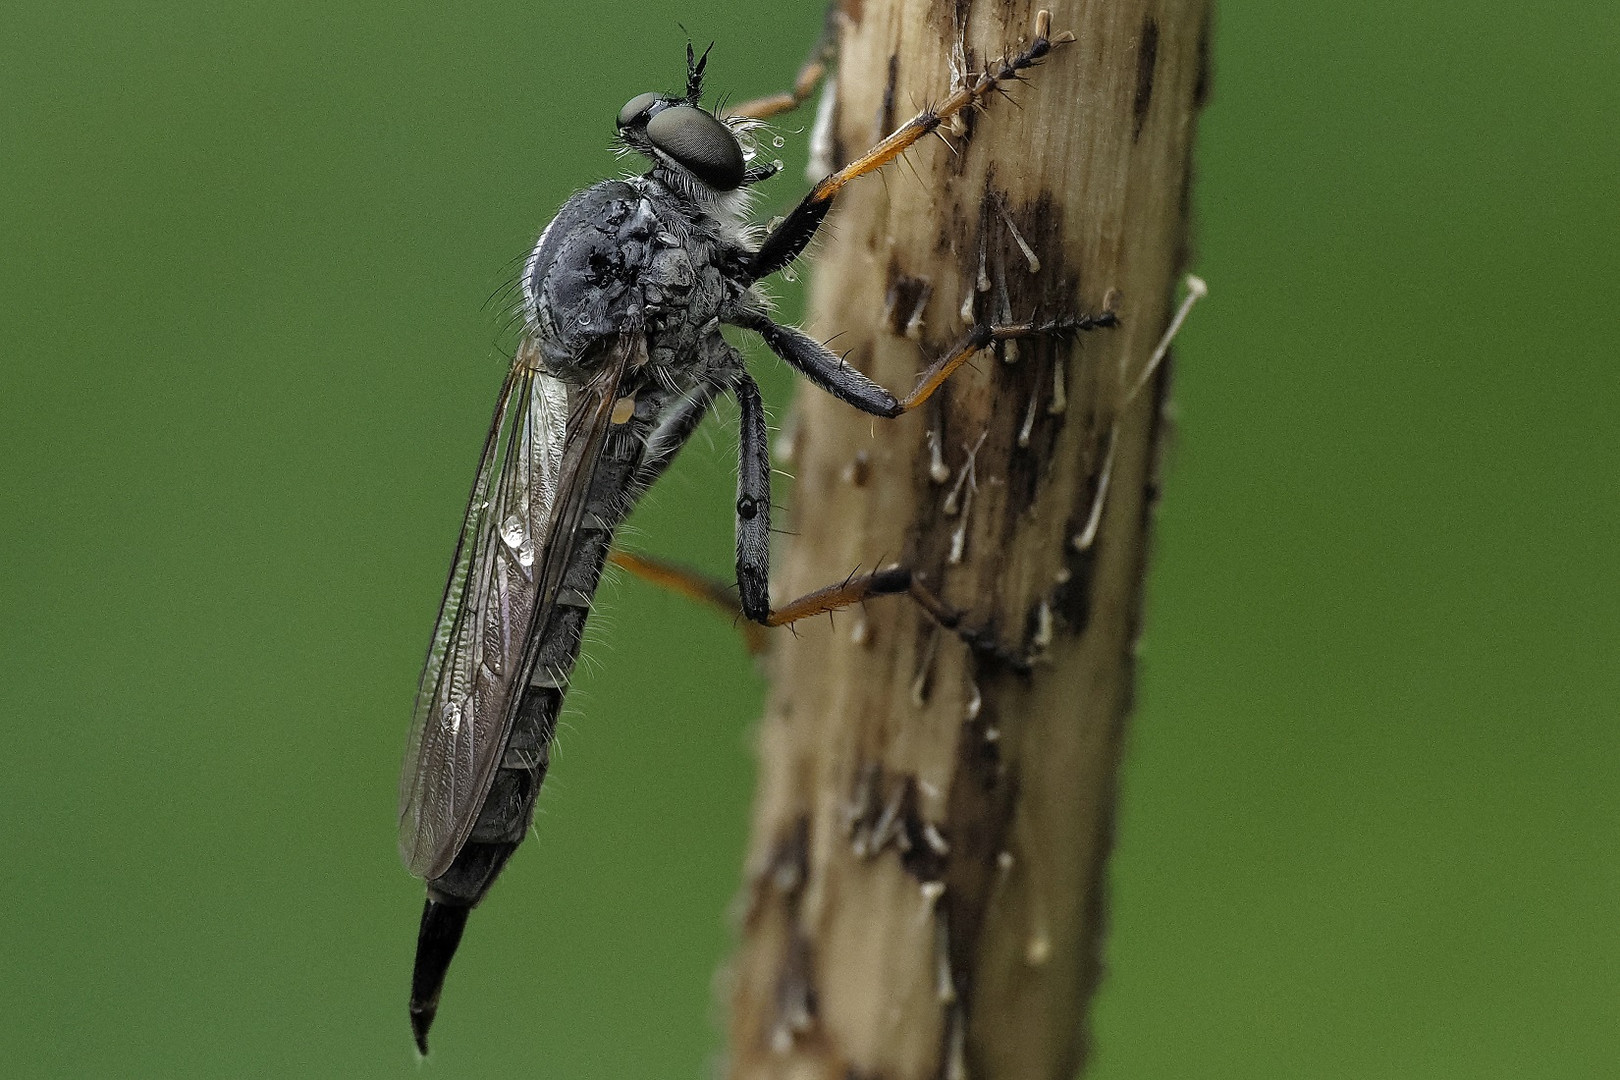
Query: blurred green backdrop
1370,812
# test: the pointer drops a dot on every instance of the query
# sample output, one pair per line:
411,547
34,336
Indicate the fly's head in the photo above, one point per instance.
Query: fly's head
700,150
684,138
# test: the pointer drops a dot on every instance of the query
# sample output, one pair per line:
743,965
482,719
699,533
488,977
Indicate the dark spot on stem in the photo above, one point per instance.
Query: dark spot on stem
906,294
1071,601
796,999
918,854
785,872
885,123
1147,56
1202,87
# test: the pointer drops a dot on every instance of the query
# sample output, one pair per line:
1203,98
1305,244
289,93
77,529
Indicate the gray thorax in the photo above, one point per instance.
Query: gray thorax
624,252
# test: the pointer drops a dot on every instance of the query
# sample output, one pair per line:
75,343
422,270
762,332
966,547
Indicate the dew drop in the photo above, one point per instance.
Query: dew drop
778,142
789,274
776,163
512,531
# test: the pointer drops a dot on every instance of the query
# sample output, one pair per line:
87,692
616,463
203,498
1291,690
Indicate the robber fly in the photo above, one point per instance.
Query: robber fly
624,297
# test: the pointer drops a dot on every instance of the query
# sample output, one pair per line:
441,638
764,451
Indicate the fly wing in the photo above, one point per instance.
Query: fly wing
527,500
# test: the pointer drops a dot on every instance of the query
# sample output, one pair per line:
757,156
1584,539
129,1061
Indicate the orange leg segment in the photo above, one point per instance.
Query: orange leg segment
805,82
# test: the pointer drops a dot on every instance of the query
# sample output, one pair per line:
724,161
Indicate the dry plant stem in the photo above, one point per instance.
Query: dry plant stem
925,893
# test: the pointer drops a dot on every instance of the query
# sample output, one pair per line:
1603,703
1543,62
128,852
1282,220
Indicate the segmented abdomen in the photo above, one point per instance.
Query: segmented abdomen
508,809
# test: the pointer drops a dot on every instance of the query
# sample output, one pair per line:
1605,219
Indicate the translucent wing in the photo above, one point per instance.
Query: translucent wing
527,500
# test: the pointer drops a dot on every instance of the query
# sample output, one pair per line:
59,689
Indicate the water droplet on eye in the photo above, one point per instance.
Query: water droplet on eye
789,274
525,554
778,142
512,531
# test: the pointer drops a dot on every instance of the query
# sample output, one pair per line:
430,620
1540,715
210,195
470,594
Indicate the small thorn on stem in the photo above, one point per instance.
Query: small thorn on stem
1060,396
1196,291
1042,639
860,634
1030,258
1088,533
944,983
914,324
1028,427
925,671
938,471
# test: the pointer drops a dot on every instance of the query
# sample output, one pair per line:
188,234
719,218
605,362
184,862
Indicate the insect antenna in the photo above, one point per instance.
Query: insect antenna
694,72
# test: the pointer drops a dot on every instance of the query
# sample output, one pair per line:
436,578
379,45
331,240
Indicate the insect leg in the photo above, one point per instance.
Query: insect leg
852,590
888,582
753,536
828,370
788,239
856,589
817,363
675,425
684,581
753,502
811,72
981,336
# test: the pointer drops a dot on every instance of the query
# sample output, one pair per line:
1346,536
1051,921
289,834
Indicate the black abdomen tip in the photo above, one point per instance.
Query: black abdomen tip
421,1020
436,943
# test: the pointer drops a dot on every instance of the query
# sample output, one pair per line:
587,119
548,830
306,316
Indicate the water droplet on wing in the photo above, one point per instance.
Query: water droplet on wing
512,531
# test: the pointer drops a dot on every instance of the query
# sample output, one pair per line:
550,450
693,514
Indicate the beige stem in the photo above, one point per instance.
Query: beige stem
926,877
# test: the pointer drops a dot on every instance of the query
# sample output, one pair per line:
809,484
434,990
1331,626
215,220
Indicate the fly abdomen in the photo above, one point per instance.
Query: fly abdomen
508,809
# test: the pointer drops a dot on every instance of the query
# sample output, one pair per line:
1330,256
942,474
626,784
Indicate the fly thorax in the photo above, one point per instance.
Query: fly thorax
669,274
581,284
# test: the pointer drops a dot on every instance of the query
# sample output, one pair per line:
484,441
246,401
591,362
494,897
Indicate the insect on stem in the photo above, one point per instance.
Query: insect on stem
624,297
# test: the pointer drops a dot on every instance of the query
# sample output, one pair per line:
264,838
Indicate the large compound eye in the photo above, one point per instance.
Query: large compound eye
699,143
635,107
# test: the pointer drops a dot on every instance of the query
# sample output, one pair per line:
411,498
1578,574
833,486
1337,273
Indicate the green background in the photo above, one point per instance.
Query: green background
1370,809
